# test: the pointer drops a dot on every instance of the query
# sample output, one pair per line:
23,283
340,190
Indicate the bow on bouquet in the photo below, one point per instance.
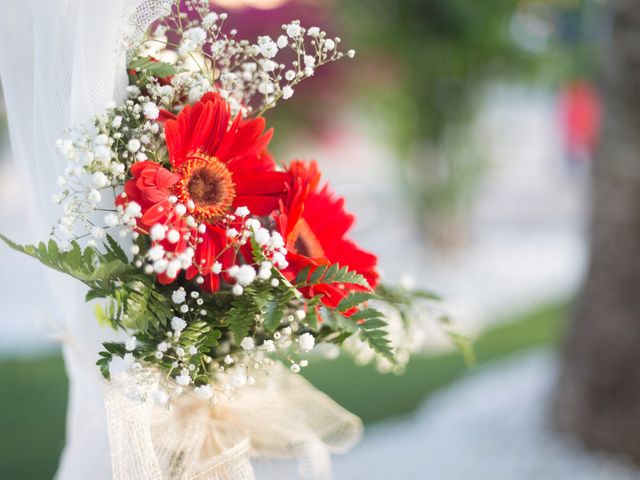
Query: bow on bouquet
223,267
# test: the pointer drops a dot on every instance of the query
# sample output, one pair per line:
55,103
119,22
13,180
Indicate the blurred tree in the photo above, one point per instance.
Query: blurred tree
598,394
427,62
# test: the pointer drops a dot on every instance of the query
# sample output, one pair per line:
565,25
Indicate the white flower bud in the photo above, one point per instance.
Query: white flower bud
306,341
157,232
94,196
247,343
287,92
173,236
133,145
151,111
178,324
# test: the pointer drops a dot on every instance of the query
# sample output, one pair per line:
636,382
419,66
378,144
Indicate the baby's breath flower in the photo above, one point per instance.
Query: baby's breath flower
242,211
178,324
209,20
293,29
130,346
178,296
306,341
246,275
133,145
204,391
158,232
269,346
183,379
268,48
247,343
287,92
151,111
237,290
173,236
282,41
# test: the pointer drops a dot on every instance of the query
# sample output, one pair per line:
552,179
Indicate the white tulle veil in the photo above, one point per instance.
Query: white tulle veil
61,61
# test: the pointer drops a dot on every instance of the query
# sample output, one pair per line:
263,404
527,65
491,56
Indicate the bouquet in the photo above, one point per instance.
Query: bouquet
220,263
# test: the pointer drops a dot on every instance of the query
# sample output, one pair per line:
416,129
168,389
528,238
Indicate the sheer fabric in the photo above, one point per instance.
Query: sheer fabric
61,61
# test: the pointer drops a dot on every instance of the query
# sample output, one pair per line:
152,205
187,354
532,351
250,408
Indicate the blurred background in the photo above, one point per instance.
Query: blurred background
464,136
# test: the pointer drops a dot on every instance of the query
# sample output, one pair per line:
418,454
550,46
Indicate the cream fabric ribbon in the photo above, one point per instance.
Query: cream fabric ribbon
282,425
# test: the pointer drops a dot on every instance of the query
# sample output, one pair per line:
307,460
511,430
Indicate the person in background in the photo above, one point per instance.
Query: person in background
580,114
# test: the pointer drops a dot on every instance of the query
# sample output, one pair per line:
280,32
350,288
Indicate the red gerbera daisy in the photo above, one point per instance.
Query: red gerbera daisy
216,166
222,166
314,224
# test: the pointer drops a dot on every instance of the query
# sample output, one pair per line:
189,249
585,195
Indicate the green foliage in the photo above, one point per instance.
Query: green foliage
328,274
447,49
143,305
404,300
137,303
200,333
355,299
134,301
367,322
90,266
372,330
273,312
146,66
111,349
242,314
464,346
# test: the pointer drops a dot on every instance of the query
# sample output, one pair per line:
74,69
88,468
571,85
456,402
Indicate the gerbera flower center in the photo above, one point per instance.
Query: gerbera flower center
208,183
204,187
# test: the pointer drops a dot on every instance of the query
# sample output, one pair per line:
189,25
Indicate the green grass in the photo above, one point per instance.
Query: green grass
33,399
374,397
33,392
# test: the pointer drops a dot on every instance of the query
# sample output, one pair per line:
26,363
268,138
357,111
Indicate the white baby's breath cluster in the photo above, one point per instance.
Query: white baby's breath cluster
100,155
240,229
252,76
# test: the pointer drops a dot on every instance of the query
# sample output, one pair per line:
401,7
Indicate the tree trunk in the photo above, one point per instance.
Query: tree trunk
598,395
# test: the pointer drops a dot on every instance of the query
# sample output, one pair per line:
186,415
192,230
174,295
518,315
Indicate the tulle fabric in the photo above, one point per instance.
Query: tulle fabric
279,428
61,61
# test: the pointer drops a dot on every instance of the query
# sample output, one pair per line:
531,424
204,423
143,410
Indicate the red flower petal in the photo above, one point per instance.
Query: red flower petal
198,128
267,183
158,213
245,143
259,205
315,223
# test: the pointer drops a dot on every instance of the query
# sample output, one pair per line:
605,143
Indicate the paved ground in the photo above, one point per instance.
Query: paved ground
492,426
